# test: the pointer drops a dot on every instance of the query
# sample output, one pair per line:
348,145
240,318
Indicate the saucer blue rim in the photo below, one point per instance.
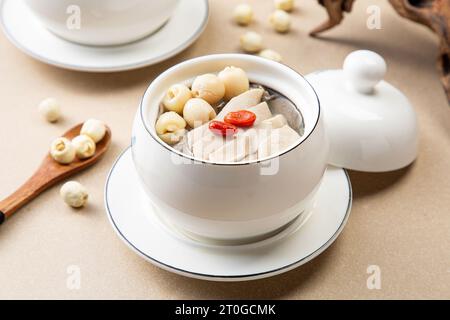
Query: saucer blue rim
124,67
253,276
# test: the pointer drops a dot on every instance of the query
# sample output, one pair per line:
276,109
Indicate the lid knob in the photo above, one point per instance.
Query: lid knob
364,69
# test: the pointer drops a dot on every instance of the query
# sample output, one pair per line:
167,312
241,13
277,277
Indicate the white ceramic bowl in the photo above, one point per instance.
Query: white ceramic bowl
102,22
231,201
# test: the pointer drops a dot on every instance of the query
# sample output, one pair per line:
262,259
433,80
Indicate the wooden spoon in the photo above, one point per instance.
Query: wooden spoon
49,173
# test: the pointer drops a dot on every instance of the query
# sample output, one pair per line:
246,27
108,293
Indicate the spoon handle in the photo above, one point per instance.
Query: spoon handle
34,186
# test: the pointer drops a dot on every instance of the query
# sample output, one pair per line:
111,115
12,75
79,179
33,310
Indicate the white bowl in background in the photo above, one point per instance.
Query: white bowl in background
102,22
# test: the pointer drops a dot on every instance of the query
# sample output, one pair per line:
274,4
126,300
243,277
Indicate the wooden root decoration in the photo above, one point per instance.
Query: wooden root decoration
435,14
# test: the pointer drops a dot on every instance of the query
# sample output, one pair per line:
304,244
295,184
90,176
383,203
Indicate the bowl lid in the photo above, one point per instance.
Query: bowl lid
370,124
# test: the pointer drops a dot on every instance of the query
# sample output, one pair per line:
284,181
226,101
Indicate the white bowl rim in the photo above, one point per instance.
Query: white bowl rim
243,163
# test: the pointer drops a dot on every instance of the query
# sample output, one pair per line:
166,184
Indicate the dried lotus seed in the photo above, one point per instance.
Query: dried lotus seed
286,5
208,87
243,14
197,112
169,122
170,127
271,55
95,129
235,81
74,194
50,109
251,42
84,146
280,21
176,97
62,151
172,138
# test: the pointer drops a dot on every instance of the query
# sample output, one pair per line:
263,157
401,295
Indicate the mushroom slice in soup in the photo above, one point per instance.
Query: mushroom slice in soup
261,111
233,151
275,122
210,142
229,149
278,141
241,102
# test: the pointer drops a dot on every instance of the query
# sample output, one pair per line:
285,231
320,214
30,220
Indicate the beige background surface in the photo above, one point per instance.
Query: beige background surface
400,221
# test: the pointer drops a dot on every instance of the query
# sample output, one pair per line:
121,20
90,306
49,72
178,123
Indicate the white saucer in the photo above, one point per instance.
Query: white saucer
26,33
134,220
